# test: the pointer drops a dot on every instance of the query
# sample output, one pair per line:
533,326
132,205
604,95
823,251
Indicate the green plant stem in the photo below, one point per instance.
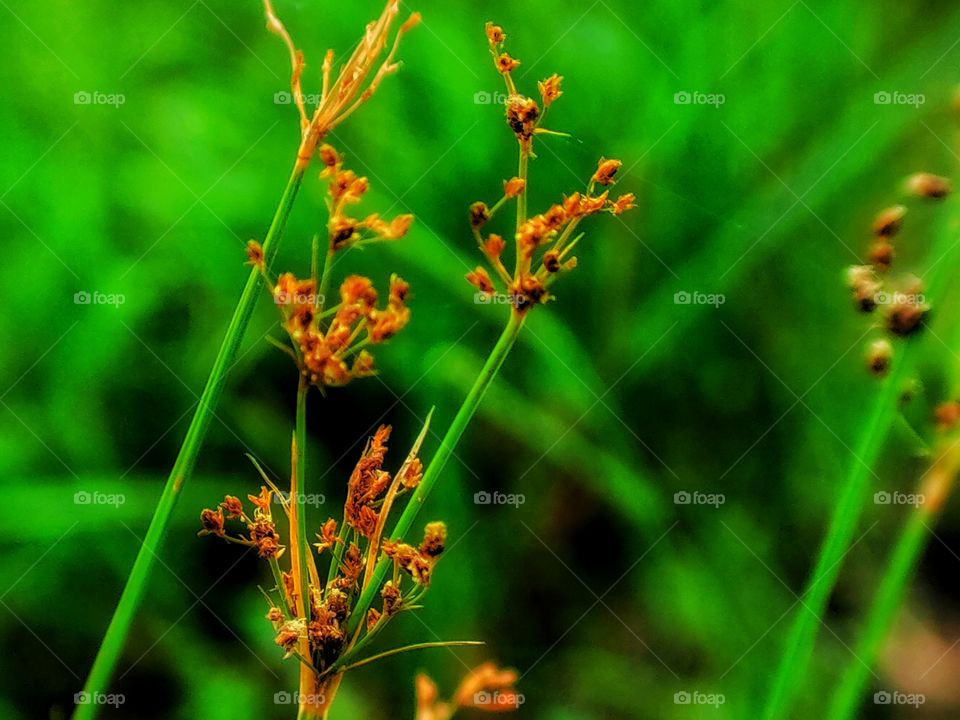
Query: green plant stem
113,642
303,389
447,446
846,515
885,604
935,485
840,534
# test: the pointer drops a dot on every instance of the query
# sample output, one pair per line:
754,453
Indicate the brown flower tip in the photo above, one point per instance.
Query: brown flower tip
506,64
480,279
928,185
212,521
327,535
479,215
494,246
513,187
879,356
233,506
889,221
623,203
495,34
906,313
490,688
255,255
550,89
882,255
947,415
275,615
330,158
606,169
551,261
434,540
412,474
289,635
391,598
863,282
522,116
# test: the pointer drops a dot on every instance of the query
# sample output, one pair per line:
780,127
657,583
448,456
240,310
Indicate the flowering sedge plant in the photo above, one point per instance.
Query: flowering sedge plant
545,242
326,620
343,92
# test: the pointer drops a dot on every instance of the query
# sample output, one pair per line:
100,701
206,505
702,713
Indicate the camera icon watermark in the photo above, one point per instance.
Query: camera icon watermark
885,697
83,297
684,497
497,298
285,97
695,697
98,698
312,499
699,98
85,97
899,298
292,298
82,497
483,97
896,497
297,698
497,699
498,498
684,297
895,97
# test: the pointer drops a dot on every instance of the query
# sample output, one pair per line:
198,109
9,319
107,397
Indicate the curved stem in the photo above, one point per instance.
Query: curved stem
447,445
113,642
846,515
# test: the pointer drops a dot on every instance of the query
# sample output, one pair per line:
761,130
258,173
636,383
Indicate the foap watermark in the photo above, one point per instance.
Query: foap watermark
497,699
286,98
899,298
699,298
498,498
497,298
695,697
313,499
83,297
684,497
885,697
294,298
297,698
898,498
699,98
98,698
85,97
895,97
483,97
82,497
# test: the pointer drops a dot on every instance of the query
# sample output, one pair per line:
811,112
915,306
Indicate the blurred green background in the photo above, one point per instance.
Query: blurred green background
607,596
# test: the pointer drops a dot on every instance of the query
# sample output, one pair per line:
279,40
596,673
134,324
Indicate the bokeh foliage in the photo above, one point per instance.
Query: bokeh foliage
607,596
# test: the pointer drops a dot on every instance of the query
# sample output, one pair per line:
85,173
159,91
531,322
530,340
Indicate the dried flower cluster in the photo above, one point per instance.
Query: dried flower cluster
328,342
544,242
342,94
901,303
315,632
486,687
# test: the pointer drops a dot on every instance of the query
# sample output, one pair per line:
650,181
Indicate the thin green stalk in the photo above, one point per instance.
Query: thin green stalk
846,515
447,446
113,642
886,602
843,525
303,389
935,486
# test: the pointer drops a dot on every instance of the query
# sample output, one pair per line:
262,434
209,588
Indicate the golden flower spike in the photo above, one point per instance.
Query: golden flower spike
314,630
329,341
544,242
487,688
350,88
